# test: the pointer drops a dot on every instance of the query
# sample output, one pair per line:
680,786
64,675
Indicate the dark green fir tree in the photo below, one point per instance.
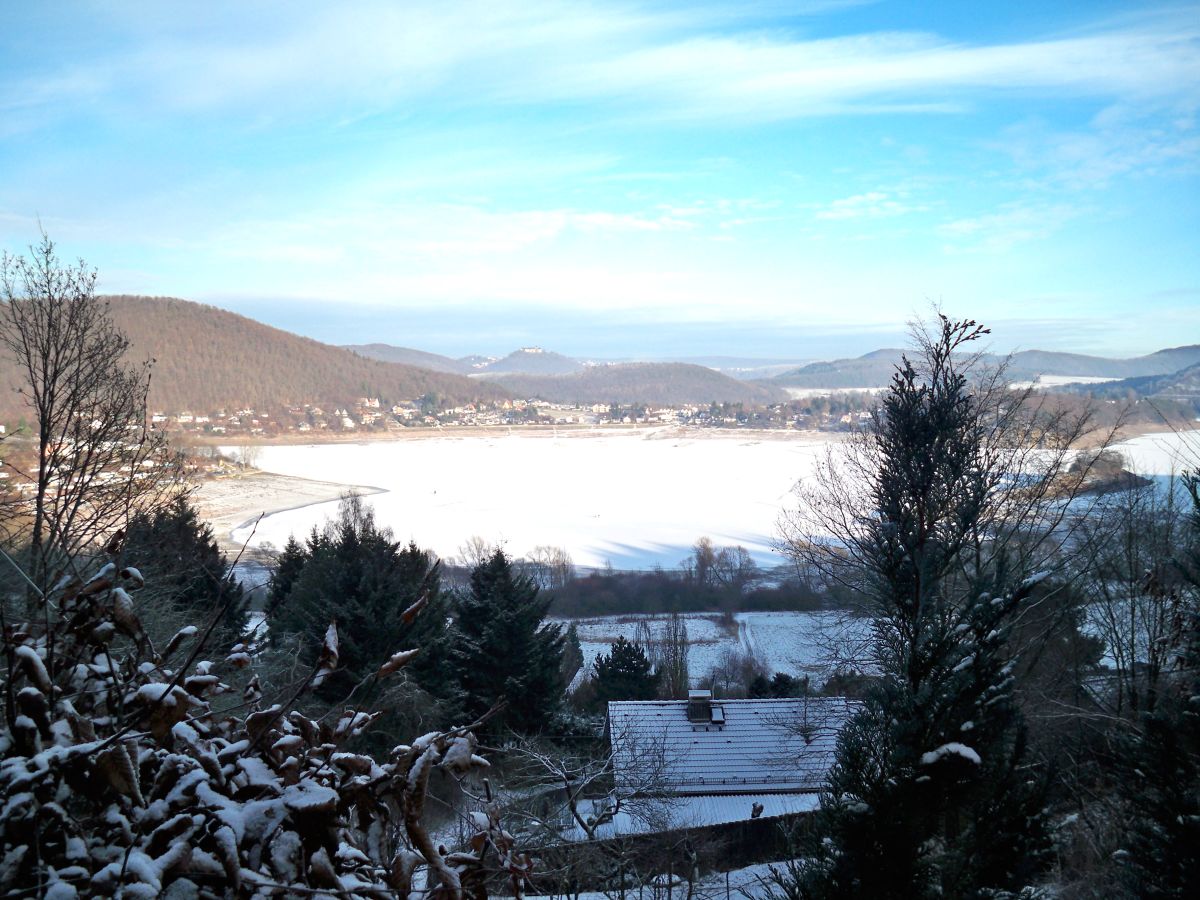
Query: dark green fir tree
179,555
505,652
931,794
624,673
354,573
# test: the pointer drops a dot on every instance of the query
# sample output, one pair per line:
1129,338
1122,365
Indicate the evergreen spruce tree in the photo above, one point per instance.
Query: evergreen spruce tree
288,566
171,539
354,573
931,795
759,687
780,685
504,651
624,673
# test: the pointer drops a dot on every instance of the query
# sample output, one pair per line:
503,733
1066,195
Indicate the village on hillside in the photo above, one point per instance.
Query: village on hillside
370,415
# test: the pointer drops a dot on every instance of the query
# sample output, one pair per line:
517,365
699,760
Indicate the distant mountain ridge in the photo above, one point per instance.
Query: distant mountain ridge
407,356
526,361
655,384
1161,362
742,367
536,361
875,369
208,359
534,373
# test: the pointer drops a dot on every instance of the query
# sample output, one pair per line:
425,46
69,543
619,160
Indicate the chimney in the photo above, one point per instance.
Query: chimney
698,707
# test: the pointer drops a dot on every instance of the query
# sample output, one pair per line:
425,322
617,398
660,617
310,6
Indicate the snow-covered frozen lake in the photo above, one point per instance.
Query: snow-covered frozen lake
632,499
1163,454
635,499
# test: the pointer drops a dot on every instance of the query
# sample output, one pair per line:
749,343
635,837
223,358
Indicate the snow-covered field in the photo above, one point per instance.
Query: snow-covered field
800,393
1044,381
635,499
798,643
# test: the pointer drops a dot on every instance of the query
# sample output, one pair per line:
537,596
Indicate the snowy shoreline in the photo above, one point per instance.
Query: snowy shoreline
234,504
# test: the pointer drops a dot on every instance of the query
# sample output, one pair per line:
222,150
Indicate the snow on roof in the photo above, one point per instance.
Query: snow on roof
784,745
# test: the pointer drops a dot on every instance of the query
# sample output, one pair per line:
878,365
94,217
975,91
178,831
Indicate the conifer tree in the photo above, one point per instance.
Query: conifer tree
931,795
624,673
172,539
355,573
572,659
288,566
503,649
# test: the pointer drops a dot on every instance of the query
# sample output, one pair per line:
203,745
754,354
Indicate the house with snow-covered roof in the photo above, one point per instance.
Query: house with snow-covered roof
724,761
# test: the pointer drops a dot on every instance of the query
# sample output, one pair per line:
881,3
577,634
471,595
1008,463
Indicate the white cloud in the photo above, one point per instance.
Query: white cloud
1118,142
871,205
1014,223
706,66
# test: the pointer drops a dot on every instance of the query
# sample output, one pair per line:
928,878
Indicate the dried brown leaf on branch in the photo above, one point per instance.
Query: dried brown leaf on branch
119,776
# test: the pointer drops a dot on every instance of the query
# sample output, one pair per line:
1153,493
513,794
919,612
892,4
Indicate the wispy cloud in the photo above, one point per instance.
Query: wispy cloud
1122,140
871,205
715,161
635,60
1014,223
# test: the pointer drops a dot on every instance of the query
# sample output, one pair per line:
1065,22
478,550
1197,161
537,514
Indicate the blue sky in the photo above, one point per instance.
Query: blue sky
616,179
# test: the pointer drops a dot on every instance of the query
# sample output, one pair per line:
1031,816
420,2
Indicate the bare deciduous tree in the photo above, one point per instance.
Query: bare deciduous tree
735,569
668,651
551,567
1137,595
97,459
590,795
247,456
700,564
475,551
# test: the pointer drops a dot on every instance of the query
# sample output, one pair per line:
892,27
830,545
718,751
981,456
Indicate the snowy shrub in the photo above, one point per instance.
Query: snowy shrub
118,776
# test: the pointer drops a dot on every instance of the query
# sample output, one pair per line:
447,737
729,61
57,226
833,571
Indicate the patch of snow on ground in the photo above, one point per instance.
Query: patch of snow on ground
797,643
1060,380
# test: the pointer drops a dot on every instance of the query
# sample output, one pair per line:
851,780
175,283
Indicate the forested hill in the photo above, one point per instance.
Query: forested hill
875,369
208,359
532,361
422,359
872,370
1183,385
649,383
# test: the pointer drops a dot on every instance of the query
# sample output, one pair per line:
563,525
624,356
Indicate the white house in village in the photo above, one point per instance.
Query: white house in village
722,761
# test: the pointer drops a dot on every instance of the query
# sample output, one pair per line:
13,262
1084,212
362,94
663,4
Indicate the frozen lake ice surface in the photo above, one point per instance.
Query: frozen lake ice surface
634,499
